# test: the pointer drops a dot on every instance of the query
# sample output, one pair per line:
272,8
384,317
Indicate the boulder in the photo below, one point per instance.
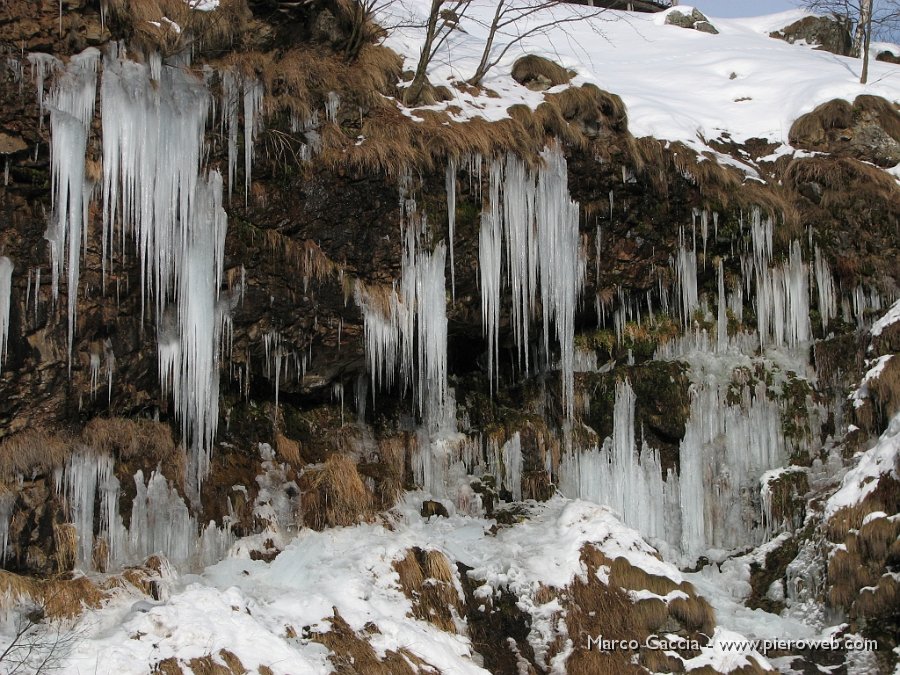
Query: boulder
829,34
696,20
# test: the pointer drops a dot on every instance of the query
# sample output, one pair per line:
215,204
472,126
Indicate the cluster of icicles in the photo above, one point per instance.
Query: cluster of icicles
154,193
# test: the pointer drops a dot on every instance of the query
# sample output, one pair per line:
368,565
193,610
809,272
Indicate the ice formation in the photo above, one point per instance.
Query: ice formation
712,501
71,105
539,225
451,219
160,520
154,119
6,270
406,328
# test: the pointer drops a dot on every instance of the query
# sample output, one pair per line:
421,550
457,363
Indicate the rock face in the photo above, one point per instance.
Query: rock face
696,20
821,32
308,436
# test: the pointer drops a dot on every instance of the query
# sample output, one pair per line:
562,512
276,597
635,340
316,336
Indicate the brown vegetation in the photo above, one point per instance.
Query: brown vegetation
352,654
335,494
58,598
533,68
427,579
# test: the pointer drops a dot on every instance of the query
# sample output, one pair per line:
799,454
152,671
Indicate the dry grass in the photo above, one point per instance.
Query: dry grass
843,175
199,30
532,68
297,81
130,439
880,602
885,497
65,546
223,663
886,387
32,451
288,450
427,579
887,113
595,609
809,129
575,116
336,494
351,654
60,598
393,142
310,260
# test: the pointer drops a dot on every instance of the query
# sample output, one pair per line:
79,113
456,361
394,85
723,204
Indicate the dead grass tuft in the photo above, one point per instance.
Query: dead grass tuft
427,579
288,450
60,598
32,451
130,439
142,21
336,494
809,129
532,68
351,654
65,540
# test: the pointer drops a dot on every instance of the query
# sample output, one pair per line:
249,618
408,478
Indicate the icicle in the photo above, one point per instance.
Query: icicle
408,330
153,137
253,101
511,455
722,318
7,504
686,278
6,270
451,219
95,373
229,106
43,65
71,110
332,103
110,367
825,288
489,256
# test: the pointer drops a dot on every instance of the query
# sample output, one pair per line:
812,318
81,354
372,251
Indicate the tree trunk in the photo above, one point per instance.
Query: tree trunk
414,90
865,20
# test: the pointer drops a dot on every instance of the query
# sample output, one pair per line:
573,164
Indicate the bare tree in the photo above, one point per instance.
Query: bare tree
867,17
509,15
360,14
37,644
443,18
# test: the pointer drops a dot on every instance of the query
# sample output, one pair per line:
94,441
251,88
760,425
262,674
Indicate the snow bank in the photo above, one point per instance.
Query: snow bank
678,85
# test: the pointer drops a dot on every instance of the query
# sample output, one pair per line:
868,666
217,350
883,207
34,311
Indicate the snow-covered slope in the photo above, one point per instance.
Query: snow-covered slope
678,84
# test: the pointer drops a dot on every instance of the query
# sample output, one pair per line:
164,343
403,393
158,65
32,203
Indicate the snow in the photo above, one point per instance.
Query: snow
677,84
892,317
246,606
203,5
880,460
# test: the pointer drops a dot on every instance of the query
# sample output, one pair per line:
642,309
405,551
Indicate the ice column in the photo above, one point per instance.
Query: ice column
71,105
6,270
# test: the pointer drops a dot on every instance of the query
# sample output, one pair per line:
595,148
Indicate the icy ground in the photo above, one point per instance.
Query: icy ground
678,84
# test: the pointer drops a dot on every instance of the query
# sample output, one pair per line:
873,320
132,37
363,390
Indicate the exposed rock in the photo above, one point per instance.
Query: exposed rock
822,32
11,143
888,57
432,508
696,20
868,130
